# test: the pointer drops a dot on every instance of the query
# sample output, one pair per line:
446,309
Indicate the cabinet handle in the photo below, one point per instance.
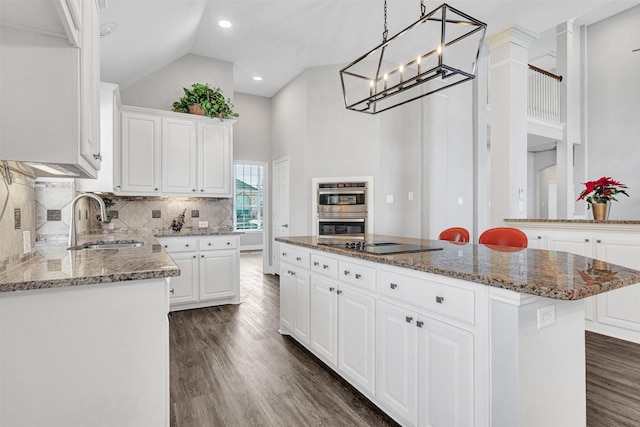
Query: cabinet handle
297,258
186,244
409,319
316,263
193,189
332,289
338,291
166,246
201,190
209,243
201,256
228,243
358,276
118,187
98,156
155,189
171,291
284,254
586,240
194,256
325,266
539,237
419,323
347,272
598,241
393,285
439,300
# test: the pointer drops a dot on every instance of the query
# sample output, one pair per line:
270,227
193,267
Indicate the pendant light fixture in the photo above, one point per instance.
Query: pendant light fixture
439,50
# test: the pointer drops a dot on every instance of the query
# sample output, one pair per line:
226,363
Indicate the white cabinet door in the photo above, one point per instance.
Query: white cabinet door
287,293
178,156
356,337
619,308
140,153
446,375
90,84
184,288
324,319
397,361
301,306
215,159
217,277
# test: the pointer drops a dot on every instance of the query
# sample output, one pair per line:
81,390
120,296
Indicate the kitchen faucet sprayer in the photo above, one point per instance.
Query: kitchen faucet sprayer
72,225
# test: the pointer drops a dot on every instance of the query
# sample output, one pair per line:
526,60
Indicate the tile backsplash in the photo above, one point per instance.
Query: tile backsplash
17,219
53,205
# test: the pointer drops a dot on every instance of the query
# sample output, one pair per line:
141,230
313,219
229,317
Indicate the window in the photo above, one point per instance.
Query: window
248,213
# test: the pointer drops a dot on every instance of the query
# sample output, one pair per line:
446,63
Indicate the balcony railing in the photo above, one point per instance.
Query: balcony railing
544,95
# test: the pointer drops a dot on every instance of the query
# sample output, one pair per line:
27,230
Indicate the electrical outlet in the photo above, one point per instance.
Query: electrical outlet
546,316
203,224
460,200
389,198
410,195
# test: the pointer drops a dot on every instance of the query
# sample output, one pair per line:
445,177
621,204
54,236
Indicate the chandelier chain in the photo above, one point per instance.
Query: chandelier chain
386,30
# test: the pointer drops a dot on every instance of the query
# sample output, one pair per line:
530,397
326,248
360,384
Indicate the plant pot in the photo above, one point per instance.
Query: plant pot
601,211
195,109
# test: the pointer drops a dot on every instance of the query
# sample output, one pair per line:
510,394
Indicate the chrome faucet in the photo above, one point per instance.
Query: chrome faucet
72,226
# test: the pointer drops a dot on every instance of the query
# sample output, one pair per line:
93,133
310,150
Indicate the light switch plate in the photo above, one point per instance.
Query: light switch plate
389,198
203,224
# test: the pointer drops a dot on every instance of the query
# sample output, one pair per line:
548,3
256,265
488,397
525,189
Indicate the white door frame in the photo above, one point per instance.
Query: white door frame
276,228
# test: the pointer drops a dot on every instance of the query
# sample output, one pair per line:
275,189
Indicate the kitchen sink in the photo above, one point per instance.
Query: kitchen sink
114,244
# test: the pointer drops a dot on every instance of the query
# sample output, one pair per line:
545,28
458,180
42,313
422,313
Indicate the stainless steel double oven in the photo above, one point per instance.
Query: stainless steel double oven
342,210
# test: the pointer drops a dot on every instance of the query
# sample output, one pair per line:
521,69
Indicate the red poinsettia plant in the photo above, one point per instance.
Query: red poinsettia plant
604,191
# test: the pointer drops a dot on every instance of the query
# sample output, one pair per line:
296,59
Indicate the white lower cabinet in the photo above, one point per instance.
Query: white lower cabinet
209,270
615,313
406,340
425,371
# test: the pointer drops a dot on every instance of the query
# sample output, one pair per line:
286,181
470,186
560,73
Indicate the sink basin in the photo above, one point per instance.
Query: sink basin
115,244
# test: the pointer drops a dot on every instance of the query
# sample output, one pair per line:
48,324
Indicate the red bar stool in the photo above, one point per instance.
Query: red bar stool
504,236
455,234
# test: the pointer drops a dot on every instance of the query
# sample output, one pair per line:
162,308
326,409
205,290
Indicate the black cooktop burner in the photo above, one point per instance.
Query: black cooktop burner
381,248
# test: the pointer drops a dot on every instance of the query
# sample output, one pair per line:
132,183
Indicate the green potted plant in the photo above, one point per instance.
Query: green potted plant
204,100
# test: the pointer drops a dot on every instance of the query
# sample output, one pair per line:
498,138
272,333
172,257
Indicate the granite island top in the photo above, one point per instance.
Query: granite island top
574,221
551,274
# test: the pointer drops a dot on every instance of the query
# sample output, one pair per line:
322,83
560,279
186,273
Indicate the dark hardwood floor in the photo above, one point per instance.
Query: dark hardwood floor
231,367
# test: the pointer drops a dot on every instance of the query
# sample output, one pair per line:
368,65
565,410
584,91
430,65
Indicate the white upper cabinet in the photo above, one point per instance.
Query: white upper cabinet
49,79
192,154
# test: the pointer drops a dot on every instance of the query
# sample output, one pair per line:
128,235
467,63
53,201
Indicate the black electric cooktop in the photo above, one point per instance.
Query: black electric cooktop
380,248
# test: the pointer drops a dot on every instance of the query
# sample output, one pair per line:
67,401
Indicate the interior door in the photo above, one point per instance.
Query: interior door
280,206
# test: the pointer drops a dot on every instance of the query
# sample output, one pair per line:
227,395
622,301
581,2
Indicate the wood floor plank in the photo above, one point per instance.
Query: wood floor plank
231,367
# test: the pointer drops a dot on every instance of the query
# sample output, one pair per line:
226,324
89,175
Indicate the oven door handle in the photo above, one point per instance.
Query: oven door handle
341,219
345,191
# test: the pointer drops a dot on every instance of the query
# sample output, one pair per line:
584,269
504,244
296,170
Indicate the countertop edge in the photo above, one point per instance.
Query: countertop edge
541,291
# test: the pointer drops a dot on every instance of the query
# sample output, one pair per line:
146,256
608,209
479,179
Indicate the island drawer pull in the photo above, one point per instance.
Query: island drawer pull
598,241
171,291
439,300
316,263
419,323
393,285
409,319
338,291
298,258
347,272
586,240
325,266
284,254
332,289
358,276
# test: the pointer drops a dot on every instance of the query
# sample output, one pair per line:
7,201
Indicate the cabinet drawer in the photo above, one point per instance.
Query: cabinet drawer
177,244
358,275
324,265
294,256
438,298
218,242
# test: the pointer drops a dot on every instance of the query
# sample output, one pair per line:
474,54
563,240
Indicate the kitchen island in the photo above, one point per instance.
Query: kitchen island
467,335
84,335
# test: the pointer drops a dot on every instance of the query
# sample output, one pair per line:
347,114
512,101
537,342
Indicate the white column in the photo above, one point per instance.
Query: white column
508,138
568,48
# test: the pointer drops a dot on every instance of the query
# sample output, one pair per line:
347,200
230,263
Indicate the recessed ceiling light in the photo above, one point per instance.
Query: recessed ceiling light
224,23
257,78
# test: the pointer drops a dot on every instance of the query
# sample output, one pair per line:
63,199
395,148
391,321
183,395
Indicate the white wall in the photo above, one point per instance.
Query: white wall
160,89
613,106
252,131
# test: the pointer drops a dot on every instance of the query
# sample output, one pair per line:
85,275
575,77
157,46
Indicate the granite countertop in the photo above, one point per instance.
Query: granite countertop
55,266
551,274
574,221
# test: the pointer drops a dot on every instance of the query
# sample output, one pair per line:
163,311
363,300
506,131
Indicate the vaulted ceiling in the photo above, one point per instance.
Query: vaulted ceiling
277,39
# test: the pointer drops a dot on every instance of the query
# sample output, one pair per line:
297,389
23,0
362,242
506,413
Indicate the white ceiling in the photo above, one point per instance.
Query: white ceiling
277,39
